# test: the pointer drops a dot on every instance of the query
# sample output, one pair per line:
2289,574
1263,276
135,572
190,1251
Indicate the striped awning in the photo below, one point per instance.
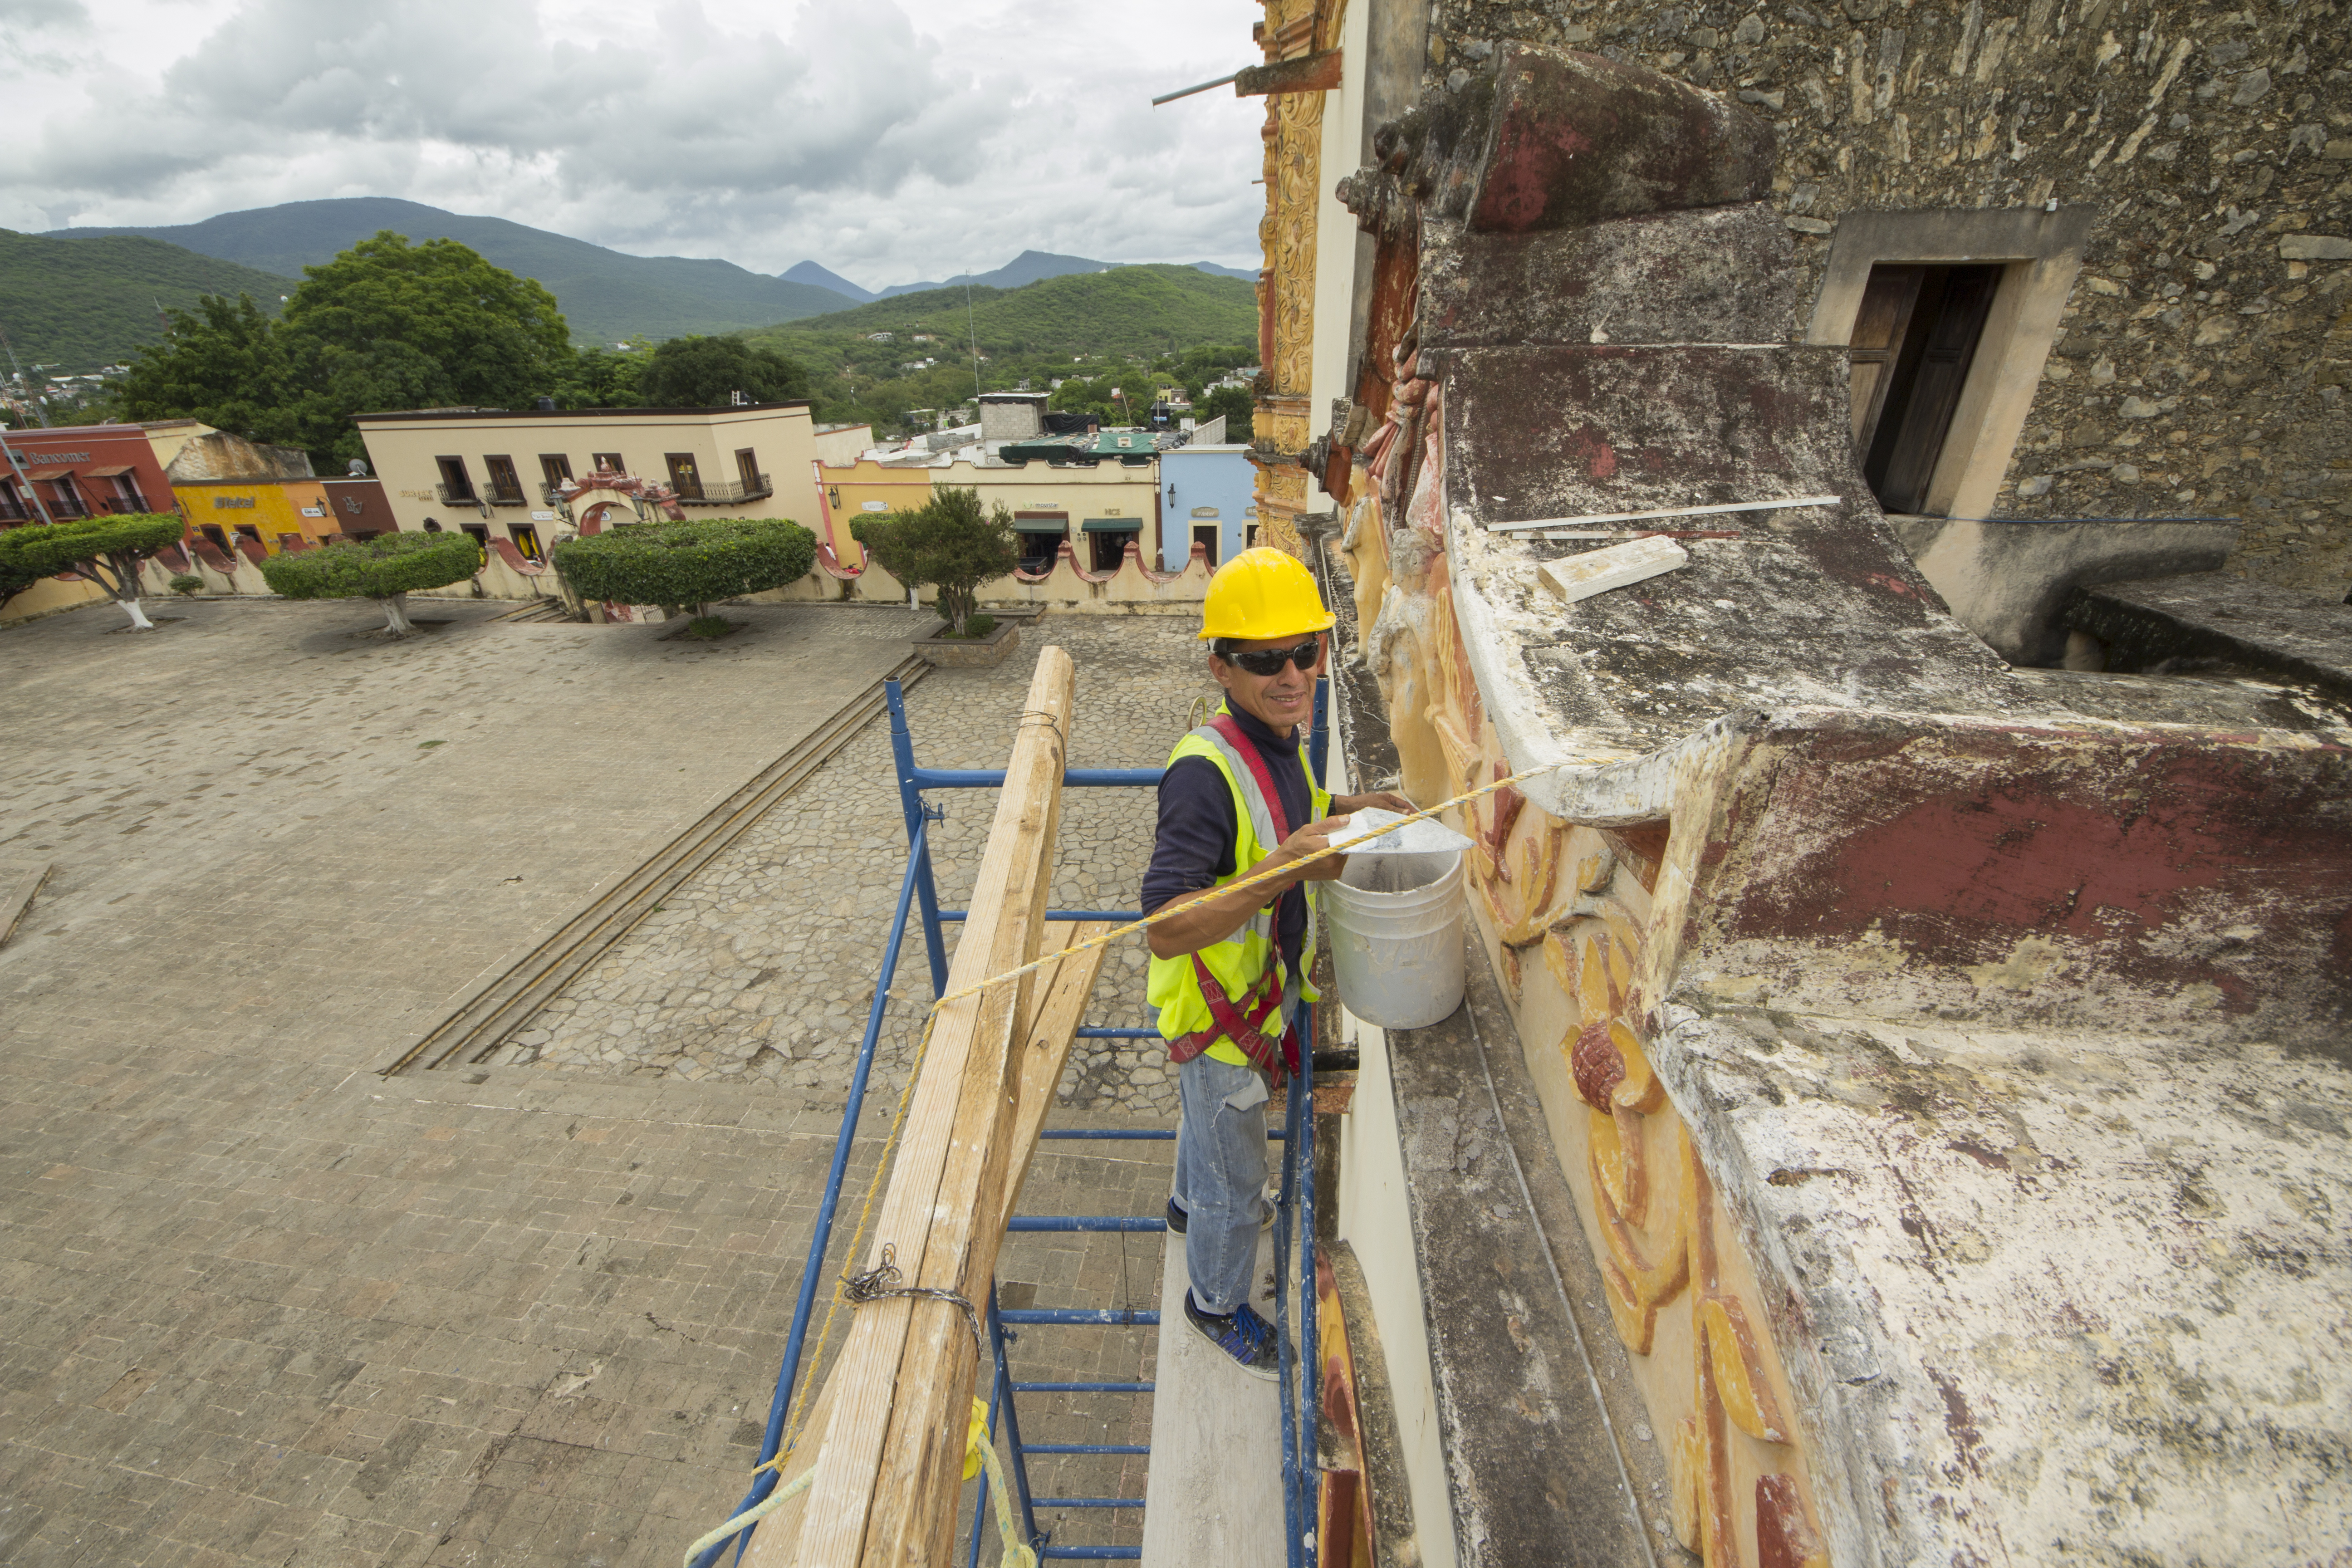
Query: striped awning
116,471
49,473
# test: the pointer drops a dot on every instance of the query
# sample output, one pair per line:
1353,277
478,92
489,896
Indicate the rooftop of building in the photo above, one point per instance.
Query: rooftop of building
578,413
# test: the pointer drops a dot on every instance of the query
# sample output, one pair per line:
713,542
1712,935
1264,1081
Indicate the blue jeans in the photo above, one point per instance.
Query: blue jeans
1221,1177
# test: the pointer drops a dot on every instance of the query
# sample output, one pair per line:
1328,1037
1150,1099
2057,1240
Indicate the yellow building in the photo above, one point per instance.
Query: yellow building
268,512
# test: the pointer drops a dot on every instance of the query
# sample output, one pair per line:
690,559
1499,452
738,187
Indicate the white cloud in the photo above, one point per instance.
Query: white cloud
891,141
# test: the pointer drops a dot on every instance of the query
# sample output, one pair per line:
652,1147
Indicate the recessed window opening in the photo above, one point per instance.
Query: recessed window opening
1205,535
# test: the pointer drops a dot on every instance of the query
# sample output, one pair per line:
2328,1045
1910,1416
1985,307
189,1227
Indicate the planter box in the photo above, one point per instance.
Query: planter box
961,653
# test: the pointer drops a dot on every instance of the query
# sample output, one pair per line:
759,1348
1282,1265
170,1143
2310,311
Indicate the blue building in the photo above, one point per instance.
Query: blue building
1208,498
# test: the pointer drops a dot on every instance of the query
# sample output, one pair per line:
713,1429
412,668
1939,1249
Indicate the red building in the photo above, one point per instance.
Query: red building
85,470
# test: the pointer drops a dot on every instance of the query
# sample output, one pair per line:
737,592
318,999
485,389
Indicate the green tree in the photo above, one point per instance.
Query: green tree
385,325
706,373
606,378
950,544
387,568
1235,402
225,363
691,565
107,550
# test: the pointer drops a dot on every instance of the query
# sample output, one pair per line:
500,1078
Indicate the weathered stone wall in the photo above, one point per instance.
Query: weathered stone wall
2203,357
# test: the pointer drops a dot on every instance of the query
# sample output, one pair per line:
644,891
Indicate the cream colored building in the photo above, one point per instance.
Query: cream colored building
500,473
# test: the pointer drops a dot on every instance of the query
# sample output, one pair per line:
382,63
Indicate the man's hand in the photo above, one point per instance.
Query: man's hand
1311,839
1387,800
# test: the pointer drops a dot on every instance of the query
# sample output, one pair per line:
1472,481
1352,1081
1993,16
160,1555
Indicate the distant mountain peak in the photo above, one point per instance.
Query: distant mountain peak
825,278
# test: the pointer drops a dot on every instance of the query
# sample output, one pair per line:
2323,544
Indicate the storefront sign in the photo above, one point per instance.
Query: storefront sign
226,502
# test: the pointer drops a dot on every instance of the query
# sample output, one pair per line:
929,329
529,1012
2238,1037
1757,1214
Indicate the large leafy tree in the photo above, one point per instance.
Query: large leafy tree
107,550
225,363
387,568
950,543
606,378
385,325
706,372
679,566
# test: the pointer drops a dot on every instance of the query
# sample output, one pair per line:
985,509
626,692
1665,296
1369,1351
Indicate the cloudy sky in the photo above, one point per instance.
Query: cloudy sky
889,140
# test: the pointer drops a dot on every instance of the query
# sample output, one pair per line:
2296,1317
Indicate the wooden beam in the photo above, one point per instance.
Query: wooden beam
771,1543
885,1478
1052,1023
1046,1050
1309,73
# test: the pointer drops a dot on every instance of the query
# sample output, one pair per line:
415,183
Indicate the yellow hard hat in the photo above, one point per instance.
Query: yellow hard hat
1263,593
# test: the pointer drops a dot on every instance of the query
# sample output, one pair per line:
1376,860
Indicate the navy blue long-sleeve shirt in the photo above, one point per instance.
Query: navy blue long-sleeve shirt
1197,829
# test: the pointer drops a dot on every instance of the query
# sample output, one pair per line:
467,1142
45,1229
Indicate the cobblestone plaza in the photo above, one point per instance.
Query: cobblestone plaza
259,1303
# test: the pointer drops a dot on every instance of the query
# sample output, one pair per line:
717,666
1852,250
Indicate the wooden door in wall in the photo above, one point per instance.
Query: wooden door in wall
684,477
1915,340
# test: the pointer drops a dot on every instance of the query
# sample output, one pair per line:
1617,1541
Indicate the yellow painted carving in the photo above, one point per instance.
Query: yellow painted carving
1615,1144
1593,998
1739,1370
1637,1325
1620,953
1640,1090
1644,1286
1686,1457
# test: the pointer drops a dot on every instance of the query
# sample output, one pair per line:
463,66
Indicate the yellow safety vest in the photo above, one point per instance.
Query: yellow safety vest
1240,960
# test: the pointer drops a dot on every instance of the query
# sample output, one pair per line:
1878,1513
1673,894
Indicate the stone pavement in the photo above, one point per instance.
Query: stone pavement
761,966
259,1305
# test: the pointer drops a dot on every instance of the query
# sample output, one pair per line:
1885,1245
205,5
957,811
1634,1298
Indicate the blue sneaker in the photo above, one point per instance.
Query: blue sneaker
1245,1336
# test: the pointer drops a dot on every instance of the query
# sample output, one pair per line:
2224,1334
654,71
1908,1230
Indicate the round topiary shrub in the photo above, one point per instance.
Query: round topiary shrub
386,568
686,565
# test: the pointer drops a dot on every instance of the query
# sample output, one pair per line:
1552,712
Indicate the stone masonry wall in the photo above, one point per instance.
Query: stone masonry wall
2204,357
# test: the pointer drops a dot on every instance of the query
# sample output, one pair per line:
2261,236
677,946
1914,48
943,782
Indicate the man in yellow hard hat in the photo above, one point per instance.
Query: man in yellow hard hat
1228,976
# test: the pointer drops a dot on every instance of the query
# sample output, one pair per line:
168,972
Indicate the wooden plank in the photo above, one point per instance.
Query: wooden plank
913,1514
1052,1025
1045,1050
1213,1492
909,1368
1582,576
771,1543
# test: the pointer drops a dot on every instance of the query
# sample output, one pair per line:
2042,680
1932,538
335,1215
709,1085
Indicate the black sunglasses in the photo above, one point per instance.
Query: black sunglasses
1268,661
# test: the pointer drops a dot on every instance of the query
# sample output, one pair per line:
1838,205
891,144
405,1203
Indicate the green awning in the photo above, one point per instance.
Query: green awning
1114,525
1041,525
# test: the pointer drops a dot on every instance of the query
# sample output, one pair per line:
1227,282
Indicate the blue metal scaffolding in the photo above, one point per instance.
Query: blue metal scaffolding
1295,1301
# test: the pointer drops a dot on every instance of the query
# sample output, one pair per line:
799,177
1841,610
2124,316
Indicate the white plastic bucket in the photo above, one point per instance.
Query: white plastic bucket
1395,930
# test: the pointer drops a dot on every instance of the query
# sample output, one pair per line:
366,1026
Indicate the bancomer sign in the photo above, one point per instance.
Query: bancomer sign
32,457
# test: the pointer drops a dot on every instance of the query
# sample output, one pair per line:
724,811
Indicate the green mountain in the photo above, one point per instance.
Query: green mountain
606,295
74,305
1126,310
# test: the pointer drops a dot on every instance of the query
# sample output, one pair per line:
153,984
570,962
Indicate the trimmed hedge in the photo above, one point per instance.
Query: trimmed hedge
40,550
691,563
378,568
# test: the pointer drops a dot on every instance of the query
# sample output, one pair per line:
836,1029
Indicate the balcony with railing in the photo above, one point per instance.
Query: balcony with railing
17,511
456,495
506,495
63,507
726,492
